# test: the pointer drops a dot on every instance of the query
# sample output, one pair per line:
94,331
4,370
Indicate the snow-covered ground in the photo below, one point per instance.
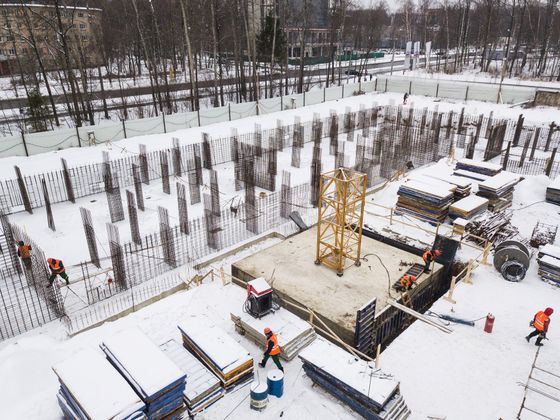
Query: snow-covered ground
478,76
78,156
467,374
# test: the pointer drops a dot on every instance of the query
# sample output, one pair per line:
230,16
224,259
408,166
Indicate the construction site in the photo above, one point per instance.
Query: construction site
362,244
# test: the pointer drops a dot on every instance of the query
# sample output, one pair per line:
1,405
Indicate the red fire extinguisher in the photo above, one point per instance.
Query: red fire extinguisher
489,323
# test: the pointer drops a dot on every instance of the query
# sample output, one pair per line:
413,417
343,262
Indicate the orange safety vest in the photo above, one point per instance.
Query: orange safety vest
540,321
275,348
24,251
406,281
428,256
55,265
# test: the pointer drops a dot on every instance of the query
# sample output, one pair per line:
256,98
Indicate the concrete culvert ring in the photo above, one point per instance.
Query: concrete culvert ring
513,271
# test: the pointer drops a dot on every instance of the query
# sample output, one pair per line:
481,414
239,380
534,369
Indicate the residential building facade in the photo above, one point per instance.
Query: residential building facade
25,28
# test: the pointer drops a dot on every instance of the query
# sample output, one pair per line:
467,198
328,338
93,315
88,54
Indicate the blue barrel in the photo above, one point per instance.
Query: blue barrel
259,396
275,380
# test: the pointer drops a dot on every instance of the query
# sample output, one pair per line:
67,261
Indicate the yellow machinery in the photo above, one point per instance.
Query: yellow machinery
341,212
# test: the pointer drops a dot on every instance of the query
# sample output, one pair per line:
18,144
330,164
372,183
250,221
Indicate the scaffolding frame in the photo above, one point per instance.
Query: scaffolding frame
341,213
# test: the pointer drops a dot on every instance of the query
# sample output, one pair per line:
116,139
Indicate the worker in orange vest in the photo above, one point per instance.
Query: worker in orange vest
540,322
407,281
57,269
272,349
428,257
24,252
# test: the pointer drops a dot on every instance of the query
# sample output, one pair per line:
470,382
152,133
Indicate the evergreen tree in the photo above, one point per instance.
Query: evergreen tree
37,112
264,40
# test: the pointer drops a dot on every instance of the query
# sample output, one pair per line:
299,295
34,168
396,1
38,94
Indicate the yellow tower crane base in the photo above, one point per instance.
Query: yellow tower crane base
341,213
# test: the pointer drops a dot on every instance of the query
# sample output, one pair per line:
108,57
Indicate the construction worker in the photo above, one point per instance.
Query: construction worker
272,349
407,281
24,252
428,257
57,269
540,323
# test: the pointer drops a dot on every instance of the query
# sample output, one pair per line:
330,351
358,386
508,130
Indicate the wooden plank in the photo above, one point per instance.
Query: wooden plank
418,315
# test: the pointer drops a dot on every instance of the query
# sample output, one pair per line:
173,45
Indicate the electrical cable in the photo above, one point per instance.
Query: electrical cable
364,258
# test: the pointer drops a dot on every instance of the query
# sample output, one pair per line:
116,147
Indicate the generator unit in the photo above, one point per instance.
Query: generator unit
259,298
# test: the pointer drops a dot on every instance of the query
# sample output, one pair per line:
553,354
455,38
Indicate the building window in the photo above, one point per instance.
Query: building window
82,26
80,14
12,51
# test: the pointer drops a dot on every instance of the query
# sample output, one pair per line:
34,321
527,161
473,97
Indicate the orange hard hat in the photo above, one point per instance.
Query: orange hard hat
49,260
267,330
413,278
437,252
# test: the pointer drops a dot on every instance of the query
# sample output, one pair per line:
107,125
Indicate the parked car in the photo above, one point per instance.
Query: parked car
353,72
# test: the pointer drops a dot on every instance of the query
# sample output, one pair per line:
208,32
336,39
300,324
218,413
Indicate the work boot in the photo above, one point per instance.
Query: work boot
261,364
528,339
67,282
282,369
539,344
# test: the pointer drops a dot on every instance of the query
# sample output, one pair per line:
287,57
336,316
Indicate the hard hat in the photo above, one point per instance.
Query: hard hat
548,311
413,278
267,330
437,252
49,260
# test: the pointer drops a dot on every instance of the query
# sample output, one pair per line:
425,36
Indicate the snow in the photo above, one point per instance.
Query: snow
547,259
97,387
146,366
433,189
552,250
452,179
486,165
224,351
356,373
469,203
501,180
260,285
284,324
555,185
472,175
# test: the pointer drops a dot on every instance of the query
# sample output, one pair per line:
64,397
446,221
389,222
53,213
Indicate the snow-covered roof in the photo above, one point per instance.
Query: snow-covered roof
96,386
555,185
144,362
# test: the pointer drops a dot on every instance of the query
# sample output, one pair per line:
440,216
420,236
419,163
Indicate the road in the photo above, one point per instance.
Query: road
373,68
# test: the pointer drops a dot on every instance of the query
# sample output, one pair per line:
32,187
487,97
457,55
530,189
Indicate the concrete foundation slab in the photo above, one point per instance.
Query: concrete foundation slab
290,268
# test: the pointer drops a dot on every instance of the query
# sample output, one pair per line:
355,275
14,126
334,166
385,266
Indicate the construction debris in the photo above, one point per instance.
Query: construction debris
293,333
543,234
155,378
357,383
203,387
90,388
468,207
225,357
493,227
